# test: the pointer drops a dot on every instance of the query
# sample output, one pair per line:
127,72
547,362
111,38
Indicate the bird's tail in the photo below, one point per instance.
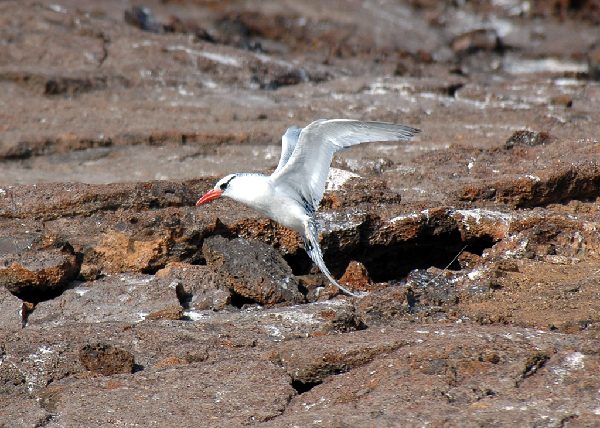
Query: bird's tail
313,249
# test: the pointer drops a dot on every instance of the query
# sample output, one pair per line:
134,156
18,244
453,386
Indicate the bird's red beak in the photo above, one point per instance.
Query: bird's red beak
209,196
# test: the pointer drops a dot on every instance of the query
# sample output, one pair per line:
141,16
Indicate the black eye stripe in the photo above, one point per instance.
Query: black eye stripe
224,185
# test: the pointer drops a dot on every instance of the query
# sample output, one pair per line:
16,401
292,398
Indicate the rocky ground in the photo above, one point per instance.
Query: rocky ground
122,304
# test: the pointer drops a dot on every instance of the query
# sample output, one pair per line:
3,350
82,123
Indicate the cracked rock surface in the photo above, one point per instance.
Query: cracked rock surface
478,243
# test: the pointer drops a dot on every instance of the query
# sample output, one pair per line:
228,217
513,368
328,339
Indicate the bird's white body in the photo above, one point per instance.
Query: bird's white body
270,199
291,195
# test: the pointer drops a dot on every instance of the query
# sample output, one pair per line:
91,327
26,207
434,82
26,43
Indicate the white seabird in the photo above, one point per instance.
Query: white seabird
291,195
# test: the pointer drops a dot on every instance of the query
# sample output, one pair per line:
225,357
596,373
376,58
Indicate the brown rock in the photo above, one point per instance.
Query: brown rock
317,287
12,380
356,276
21,411
169,362
35,275
553,185
120,252
104,129
235,392
440,374
312,360
525,138
562,100
476,40
80,199
106,359
169,313
385,305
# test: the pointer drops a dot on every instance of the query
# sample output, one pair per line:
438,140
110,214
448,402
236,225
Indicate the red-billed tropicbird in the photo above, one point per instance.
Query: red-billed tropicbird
291,195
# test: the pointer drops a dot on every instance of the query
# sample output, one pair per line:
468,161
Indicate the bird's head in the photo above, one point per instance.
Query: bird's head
222,188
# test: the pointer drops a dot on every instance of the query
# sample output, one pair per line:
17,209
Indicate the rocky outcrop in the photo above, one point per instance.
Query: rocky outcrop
476,244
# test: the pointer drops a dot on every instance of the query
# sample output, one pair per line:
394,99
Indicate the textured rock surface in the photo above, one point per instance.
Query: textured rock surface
11,309
477,241
252,270
35,275
241,391
197,287
126,297
106,359
449,375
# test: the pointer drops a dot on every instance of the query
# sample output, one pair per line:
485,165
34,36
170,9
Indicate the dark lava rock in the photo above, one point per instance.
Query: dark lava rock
252,270
430,290
106,359
292,77
70,86
37,275
142,18
176,25
527,138
426,294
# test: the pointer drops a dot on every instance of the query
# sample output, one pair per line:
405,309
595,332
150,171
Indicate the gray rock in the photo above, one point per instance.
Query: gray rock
252,269
280,324
125,297
10,310
198,287
22,412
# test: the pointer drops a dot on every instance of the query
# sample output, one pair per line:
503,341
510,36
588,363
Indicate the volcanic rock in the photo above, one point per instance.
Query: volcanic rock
106,359
198,287
252,270
11,309
34,275
126,297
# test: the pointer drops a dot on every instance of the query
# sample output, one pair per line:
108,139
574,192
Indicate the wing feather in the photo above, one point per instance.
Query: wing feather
307,168
288,143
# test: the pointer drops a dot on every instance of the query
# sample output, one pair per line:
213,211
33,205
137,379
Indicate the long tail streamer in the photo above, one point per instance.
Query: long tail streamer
313,249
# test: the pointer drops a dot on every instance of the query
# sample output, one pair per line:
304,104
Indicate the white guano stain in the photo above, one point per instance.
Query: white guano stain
213,56
337,178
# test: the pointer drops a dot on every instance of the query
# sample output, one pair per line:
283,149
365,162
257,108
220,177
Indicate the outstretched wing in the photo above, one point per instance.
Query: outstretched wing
306,170
288,143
